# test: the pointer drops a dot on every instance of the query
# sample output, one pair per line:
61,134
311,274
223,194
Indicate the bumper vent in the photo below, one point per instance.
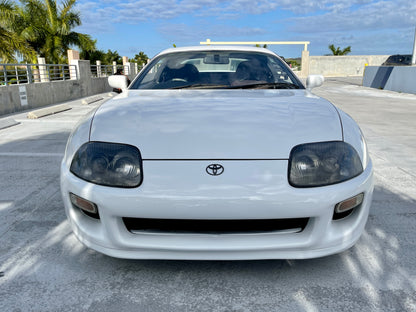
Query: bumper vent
175,226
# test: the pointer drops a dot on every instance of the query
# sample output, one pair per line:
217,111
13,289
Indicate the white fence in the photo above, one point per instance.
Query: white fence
30,88
11,74
98,71
27,86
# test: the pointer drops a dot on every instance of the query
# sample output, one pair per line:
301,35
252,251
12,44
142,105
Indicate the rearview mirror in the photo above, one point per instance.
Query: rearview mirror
118,82
216,59
314,81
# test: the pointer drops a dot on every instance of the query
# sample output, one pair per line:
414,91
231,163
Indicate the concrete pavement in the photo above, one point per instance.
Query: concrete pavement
44,268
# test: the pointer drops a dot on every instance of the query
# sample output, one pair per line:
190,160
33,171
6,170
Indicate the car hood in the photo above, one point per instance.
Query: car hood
216,124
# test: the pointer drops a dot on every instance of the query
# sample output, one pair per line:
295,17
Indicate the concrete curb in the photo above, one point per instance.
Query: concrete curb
48,111
8,122
91,100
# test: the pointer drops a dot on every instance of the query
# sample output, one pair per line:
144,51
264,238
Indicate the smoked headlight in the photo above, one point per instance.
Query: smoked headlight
109,164
324,163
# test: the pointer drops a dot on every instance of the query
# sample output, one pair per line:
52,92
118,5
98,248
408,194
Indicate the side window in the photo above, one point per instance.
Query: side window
154,72
279,72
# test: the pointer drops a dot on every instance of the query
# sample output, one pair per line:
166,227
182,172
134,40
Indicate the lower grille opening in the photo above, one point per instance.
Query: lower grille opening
215,226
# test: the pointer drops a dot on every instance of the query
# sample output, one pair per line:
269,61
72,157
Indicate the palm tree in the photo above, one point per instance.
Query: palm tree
338,51
140,58
112,56
10,43
47,28
93,56
59,35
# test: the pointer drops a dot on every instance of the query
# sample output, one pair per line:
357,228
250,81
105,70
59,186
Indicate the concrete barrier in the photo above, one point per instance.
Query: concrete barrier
343,65
17,98
393,78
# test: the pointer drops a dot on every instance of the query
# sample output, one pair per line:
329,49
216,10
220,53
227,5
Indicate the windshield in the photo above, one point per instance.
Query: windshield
217,70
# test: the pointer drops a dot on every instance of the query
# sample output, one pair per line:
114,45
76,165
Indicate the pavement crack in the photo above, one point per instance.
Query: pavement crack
407,172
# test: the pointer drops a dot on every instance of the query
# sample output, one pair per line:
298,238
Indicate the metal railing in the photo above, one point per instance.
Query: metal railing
11,74
98,71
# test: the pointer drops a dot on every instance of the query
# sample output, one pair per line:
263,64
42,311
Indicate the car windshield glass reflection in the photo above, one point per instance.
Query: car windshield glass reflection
217,70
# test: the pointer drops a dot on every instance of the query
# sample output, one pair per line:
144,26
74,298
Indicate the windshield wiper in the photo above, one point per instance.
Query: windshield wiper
262,85
267,85
201,86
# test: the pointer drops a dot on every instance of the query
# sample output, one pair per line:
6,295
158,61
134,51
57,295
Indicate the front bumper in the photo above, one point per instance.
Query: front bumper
246,190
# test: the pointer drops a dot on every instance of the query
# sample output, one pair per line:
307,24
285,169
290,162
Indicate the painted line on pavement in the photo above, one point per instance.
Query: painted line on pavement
32,154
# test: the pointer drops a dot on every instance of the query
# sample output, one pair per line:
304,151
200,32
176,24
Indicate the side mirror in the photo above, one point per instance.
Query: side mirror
118,82
314,81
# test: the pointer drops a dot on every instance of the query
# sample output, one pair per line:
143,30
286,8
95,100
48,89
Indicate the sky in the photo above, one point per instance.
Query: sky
370,27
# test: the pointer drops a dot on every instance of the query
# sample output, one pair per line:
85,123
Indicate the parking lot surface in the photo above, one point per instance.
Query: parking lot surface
44,268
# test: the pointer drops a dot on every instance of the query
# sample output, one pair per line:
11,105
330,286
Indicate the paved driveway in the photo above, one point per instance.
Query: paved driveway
44,268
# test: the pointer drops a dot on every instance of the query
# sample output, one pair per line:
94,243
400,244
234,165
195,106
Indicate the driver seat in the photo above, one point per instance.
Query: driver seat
187,72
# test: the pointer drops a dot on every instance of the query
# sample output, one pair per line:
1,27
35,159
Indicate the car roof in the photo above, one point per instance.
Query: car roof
217,48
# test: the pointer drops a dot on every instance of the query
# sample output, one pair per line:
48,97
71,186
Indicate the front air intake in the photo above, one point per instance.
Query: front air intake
215,226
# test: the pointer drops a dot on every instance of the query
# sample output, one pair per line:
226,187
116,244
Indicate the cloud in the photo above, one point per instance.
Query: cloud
342,22
307,13
372,16
96,18
132,11
189,33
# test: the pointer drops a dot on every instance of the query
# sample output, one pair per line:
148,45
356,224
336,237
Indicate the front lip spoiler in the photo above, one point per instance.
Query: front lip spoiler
288,231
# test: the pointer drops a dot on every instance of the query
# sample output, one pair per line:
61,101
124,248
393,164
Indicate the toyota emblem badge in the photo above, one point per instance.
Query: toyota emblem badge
215,169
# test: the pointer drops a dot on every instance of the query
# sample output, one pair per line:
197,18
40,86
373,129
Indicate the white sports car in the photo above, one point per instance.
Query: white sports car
217,153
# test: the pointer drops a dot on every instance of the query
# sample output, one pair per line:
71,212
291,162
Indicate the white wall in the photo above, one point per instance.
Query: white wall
342,66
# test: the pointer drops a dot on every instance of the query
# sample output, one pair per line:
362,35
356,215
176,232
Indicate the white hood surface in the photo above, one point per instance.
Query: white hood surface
216,124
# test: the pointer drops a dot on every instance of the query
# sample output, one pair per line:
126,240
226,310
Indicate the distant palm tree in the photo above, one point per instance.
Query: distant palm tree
140,58
112,56
47,28
338,51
